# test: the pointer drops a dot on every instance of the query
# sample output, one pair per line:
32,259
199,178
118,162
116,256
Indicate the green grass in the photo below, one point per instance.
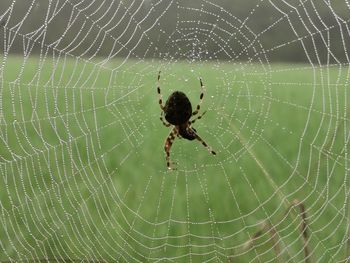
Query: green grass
83,173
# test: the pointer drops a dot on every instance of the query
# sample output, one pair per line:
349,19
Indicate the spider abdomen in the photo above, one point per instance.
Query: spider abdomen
178,108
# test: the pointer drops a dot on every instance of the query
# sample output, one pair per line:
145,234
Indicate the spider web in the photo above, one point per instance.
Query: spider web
83,172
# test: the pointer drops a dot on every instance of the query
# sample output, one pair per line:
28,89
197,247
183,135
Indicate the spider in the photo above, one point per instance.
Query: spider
177,112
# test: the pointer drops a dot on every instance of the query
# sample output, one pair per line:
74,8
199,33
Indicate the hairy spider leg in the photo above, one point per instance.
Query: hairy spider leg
200,98
168,143
165,123
205,144
160,95
197,118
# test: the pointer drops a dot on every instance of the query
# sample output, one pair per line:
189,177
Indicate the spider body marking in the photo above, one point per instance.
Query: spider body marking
178,112
178,108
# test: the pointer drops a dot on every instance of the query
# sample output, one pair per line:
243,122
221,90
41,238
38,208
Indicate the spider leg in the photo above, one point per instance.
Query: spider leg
165,123
200,98
198,117
160,95
168,143
205,144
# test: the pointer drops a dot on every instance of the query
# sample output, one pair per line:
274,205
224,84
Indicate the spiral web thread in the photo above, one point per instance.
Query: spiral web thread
83,173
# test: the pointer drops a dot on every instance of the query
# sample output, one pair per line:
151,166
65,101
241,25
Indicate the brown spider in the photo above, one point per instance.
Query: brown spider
178,111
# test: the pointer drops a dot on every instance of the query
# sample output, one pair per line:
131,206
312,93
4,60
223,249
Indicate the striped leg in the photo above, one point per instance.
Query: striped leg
165,123
205,145
200,98
168,143
159,94
198,117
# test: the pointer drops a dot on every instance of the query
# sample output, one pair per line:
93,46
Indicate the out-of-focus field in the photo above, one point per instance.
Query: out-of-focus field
83,172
